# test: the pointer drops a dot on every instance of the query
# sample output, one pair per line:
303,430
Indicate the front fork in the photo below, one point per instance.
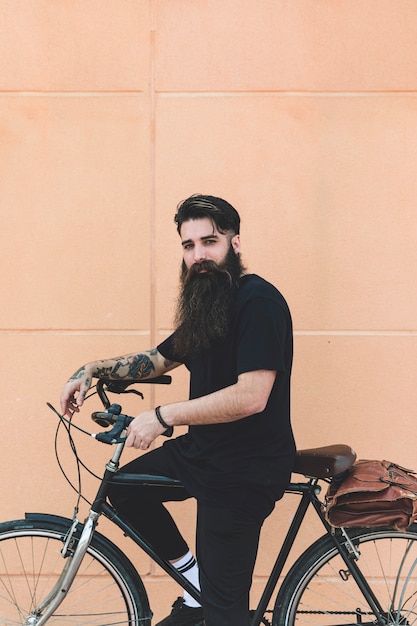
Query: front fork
57,595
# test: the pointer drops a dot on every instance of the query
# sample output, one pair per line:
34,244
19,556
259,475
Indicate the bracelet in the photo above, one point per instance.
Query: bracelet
168,429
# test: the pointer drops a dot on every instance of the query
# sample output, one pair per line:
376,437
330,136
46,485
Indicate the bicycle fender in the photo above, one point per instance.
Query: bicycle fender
48,516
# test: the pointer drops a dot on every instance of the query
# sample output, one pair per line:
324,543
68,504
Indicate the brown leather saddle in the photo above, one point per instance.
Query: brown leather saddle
324,462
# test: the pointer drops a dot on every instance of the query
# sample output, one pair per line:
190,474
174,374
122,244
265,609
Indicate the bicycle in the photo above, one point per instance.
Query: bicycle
60,571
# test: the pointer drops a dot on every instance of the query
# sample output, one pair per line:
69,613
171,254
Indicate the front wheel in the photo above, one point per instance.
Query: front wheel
106,591
320,591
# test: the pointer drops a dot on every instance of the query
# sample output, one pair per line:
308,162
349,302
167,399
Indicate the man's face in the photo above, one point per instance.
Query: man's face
210,275
201,241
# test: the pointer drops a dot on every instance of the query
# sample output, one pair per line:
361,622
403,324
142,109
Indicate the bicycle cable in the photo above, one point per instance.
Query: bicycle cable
68,424
63,472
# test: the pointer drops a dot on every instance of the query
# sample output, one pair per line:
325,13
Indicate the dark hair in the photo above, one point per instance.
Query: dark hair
221,212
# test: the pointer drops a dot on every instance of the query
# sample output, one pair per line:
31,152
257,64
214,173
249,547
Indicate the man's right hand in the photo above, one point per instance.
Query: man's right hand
75,390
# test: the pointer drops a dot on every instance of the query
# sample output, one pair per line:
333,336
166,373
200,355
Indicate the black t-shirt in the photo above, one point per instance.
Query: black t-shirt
246,462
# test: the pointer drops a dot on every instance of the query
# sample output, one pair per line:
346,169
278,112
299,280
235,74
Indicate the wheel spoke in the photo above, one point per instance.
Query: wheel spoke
322,591
104,592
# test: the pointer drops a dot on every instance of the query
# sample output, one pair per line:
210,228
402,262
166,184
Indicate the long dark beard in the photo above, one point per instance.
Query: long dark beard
205,305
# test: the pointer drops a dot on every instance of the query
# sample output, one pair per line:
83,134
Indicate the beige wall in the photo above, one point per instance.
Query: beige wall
302,113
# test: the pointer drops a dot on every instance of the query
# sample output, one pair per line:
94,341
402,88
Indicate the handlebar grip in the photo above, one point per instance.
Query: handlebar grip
108,438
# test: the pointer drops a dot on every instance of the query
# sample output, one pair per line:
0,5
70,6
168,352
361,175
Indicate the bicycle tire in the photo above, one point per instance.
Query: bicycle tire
319,591
106,591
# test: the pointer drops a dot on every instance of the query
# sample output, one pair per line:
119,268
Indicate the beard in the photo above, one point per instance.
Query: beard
205,305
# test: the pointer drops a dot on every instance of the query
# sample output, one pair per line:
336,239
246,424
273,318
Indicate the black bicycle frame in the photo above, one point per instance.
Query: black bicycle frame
309,496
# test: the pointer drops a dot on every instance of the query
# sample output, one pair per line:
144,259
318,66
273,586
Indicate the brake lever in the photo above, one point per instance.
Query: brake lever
113,435
135,391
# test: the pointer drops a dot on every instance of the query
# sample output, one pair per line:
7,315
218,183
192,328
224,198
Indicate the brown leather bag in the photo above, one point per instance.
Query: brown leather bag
373,493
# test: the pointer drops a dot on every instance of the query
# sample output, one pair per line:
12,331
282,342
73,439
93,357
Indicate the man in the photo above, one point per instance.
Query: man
233,332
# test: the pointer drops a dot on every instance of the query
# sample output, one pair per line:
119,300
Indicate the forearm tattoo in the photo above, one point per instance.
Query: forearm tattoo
105,372
134,367
141,366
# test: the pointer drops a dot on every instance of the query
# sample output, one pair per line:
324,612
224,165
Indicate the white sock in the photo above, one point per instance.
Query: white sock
188,566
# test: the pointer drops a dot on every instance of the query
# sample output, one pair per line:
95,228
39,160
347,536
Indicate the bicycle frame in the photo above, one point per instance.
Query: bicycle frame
309,496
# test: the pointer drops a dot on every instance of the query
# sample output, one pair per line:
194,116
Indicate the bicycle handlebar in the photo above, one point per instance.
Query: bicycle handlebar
121,386
112,415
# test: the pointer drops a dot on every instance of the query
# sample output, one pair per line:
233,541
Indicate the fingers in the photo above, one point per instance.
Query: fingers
134,441
70,406
76,389
73,396
67,403
143,431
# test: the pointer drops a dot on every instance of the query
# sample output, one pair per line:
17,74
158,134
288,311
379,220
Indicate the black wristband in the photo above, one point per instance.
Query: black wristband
168,429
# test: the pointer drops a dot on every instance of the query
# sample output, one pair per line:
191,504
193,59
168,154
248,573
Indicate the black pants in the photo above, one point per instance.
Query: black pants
226,540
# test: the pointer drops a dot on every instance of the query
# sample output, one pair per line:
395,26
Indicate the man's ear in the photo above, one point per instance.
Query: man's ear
235,242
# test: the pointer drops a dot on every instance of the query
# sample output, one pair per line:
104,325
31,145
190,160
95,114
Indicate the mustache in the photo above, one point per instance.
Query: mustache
199,271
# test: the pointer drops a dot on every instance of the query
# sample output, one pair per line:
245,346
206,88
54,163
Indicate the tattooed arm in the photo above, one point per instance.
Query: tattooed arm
148,364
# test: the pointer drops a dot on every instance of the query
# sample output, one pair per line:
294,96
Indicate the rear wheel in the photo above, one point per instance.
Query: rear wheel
320,591
106,591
